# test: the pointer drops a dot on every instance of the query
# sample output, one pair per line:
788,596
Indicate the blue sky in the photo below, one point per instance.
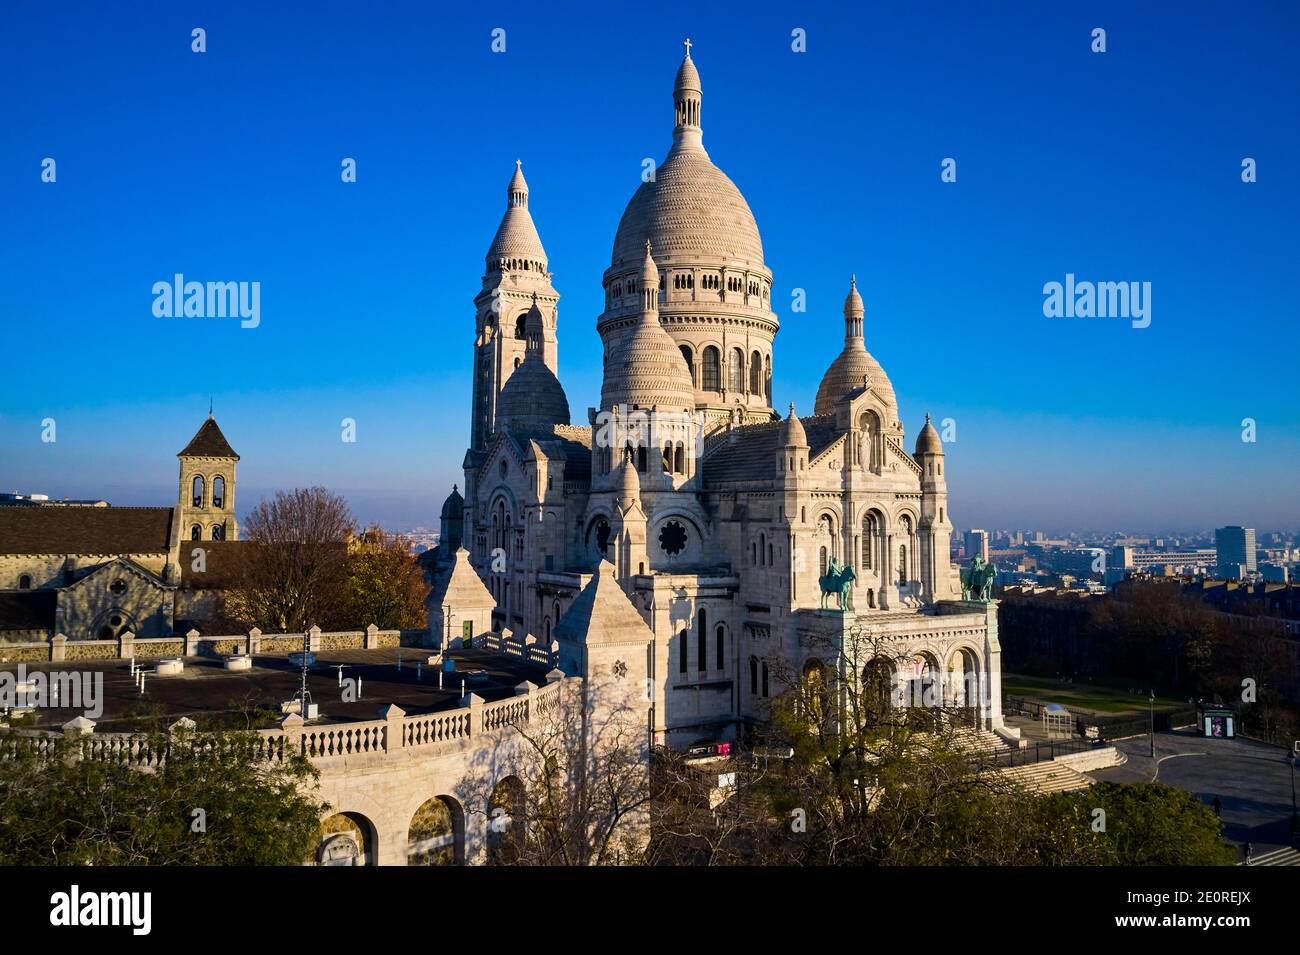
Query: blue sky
1122,166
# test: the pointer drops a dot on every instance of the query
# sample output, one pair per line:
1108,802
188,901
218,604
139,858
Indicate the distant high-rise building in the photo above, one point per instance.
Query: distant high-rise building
977,542
1234,549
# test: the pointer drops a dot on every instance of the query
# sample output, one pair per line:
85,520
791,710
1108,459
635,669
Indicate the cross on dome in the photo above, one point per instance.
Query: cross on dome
687,43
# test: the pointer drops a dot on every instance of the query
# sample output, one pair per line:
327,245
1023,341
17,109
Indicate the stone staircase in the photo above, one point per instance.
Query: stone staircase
1048,776
1276,857
979,740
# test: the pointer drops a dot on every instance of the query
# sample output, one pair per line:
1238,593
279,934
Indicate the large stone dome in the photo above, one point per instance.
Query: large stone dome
690,210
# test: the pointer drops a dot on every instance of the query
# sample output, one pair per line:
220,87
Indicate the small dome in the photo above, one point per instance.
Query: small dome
645,368
927,442
854,366
846,374
532,402
853,306
453,508
688,77
792,432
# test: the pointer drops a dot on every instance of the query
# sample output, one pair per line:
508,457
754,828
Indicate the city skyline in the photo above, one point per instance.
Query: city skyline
367,287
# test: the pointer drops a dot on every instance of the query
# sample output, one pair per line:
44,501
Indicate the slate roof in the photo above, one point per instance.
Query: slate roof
85,530
748,452
209,442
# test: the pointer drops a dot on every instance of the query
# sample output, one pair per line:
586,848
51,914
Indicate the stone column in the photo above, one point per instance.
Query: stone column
254,641
191,643
126,646
372,637
394,738
313,638
58,648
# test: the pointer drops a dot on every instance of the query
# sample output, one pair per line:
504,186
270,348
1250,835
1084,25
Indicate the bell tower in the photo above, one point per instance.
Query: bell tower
207,486
515,280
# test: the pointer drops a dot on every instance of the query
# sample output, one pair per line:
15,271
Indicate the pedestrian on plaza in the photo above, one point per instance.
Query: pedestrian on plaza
1218,807
1250,852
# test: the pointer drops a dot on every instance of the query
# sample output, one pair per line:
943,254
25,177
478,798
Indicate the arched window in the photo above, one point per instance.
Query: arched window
25,582
764,677
196,533
711,373
218,532
756,374
824,564
520,331
762,548
767,377
218,492
902,564
679,458
869,531
721,636
702,646
690,361
197,490
753,676
683,655
736,371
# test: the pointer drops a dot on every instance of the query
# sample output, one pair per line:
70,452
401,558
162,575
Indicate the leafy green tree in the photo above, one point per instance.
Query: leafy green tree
210,802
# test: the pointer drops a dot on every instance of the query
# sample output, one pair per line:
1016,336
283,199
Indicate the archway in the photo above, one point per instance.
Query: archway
506,822
436,835
346,838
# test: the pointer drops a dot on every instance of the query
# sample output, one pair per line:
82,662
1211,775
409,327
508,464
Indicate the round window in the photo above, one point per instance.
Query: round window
672,538
118,587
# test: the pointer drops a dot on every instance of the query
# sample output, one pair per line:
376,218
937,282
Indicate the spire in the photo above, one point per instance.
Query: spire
517,191
854,311
533,327
687,94
516,246
649,283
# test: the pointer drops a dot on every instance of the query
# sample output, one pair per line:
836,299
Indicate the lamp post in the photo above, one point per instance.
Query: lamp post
1151,700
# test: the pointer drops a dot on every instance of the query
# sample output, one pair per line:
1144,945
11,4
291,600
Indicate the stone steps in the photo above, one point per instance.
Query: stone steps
1048,776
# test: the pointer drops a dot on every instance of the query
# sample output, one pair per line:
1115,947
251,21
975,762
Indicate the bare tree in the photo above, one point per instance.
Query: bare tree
293,574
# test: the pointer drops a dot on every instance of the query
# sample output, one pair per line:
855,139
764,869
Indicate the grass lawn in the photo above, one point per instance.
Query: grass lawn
1081,696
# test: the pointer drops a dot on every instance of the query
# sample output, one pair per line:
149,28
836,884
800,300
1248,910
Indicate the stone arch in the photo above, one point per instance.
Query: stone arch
111,623
965,692
661,537
598,530
196,490
871,454
507,821
879,692
347,838
219,492
436,835
817,689
872,540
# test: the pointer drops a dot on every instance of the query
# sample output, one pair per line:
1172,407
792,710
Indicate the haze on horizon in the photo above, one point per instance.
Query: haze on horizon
1123,166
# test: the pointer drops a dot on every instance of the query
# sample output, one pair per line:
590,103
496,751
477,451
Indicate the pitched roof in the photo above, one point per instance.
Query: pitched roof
85,530
602,613
748,453
27,609
208,442
460,587
222,563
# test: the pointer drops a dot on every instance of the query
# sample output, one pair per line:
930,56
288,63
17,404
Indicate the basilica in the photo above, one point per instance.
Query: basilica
722,519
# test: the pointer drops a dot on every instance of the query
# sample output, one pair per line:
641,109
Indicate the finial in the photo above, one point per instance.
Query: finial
647,246
209,406
687,43
792,409
927,417
853,280
454,489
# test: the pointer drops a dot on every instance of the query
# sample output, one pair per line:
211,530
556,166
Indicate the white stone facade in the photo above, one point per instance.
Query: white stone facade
717,515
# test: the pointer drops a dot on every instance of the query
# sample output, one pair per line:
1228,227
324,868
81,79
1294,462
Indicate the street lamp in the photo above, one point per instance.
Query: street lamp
1151,699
